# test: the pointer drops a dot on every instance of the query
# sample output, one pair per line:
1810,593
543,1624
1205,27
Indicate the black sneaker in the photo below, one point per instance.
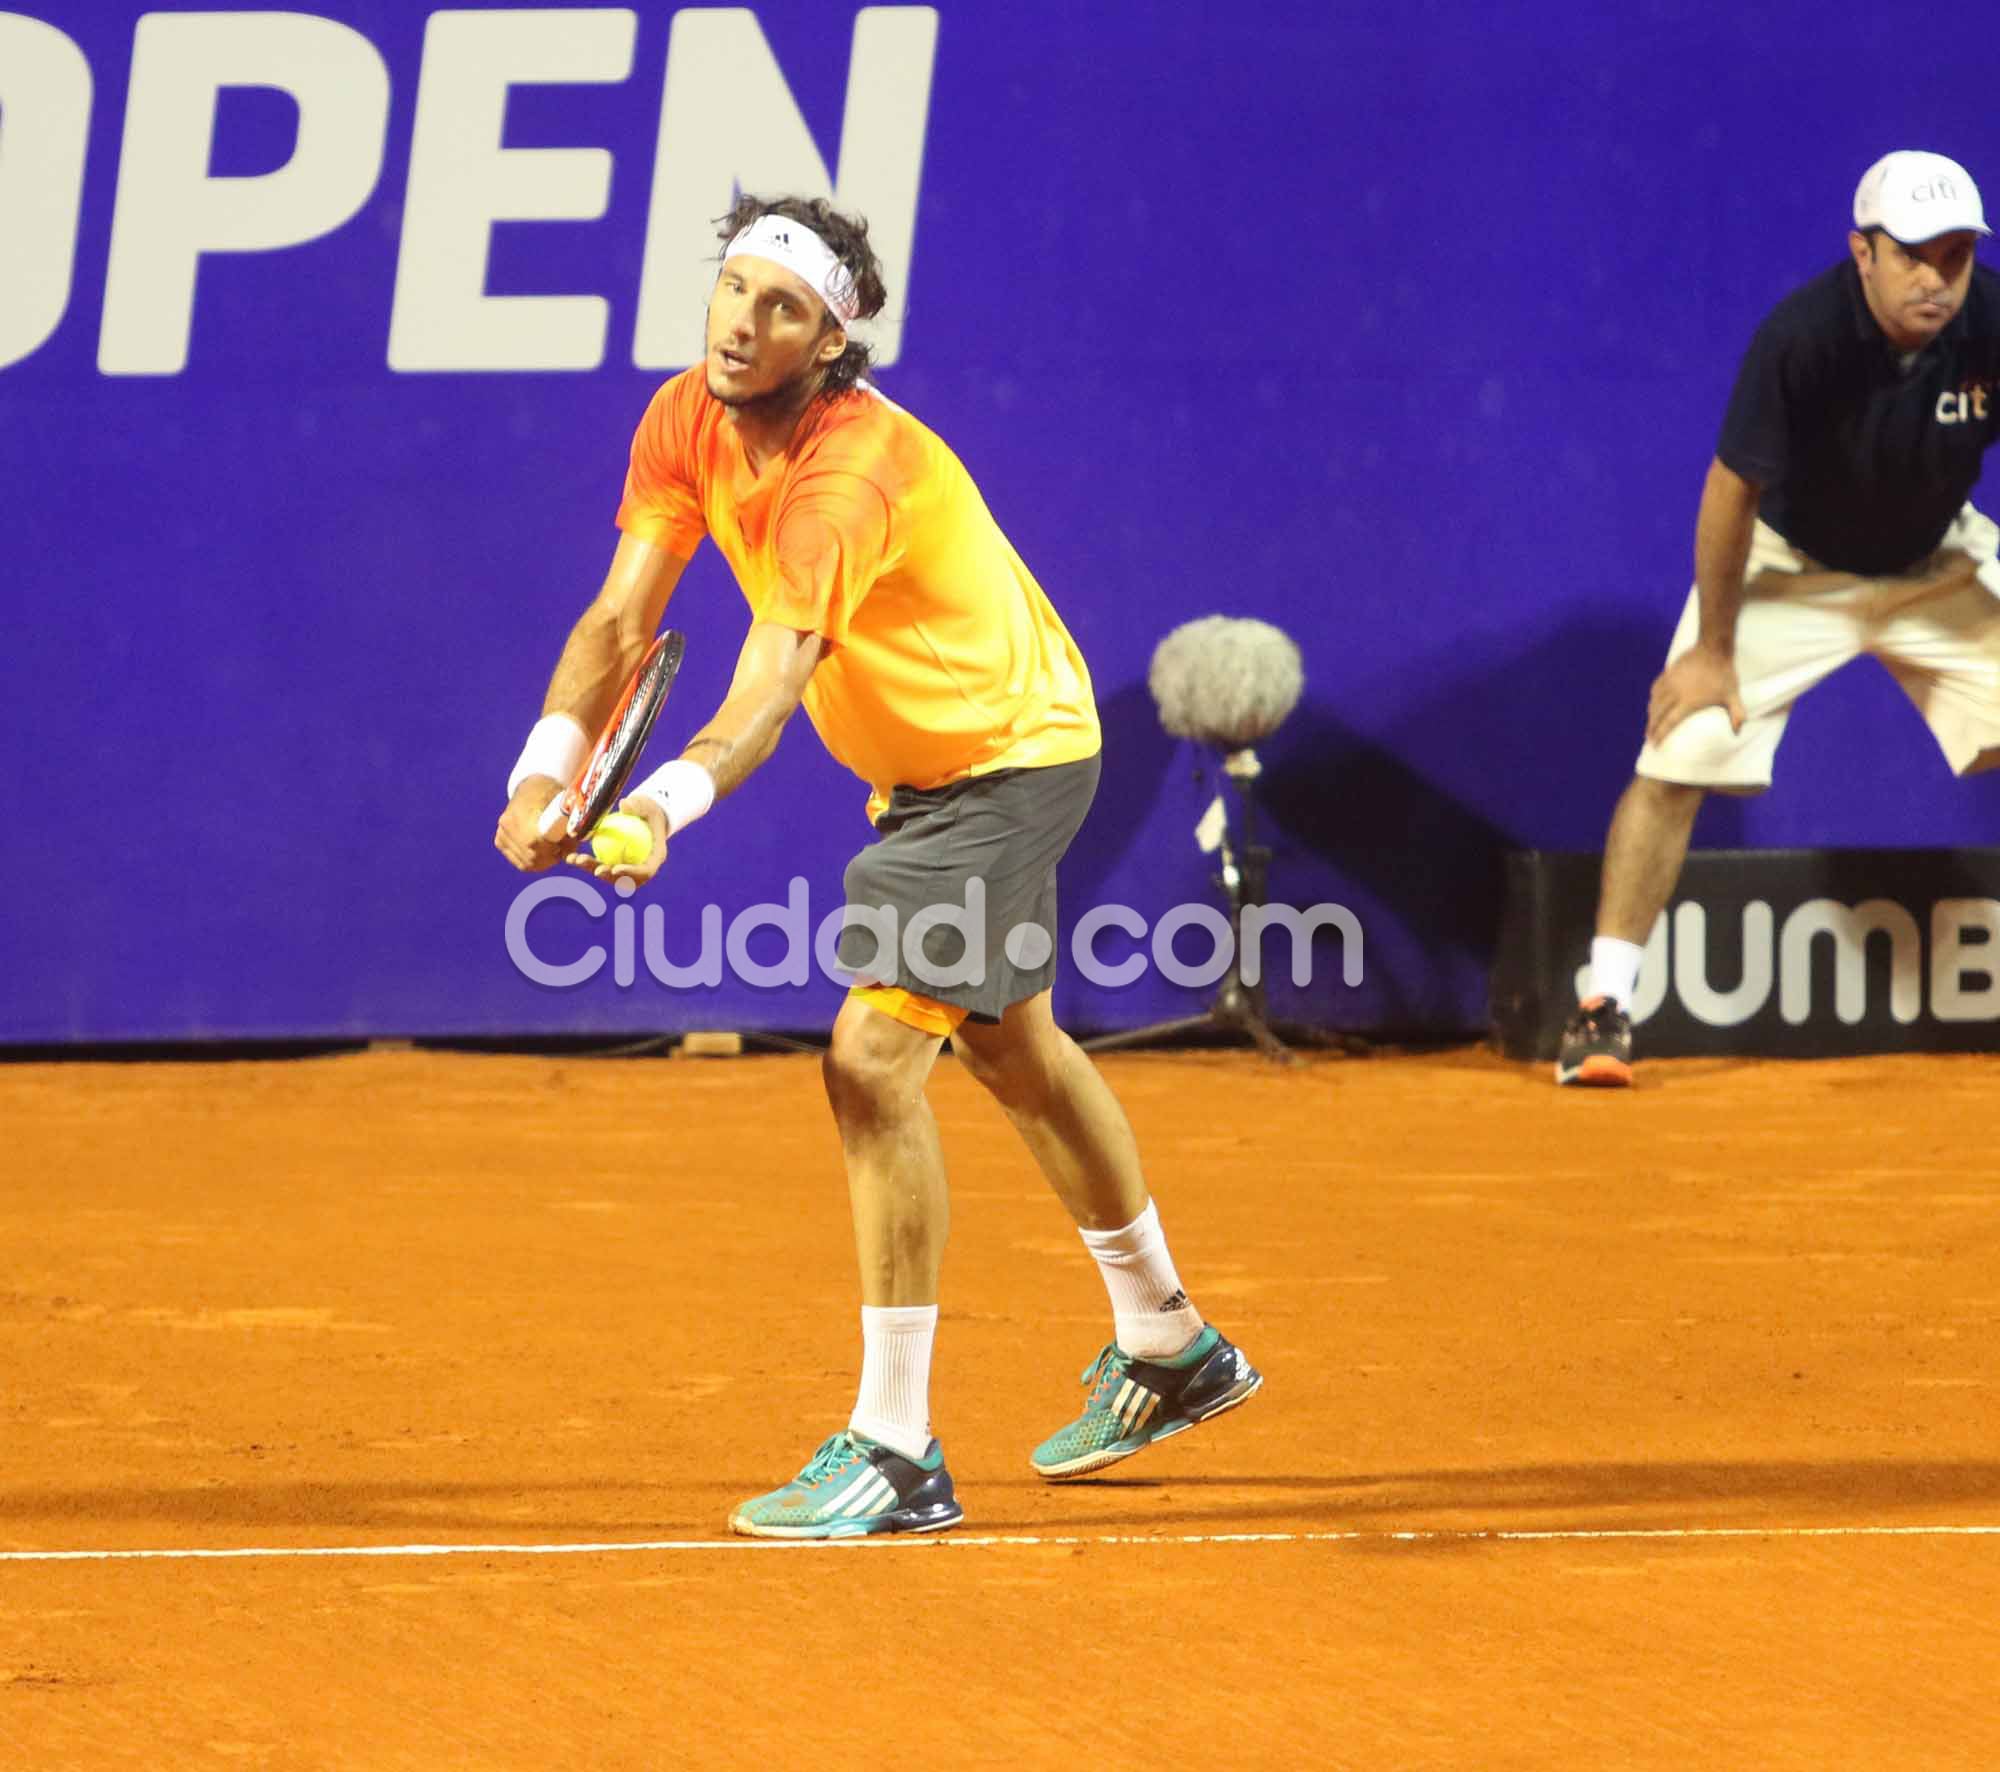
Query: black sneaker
1597,1046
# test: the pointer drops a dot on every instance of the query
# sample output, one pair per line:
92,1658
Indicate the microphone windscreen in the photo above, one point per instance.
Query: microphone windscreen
1225,680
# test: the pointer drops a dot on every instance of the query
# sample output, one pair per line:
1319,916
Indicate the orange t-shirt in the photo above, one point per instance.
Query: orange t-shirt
944,659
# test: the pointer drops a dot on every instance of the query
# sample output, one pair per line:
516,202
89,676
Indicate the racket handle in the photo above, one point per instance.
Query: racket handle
554,816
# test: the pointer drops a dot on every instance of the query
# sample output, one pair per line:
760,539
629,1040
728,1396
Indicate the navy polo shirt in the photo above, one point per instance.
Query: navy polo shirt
1864,460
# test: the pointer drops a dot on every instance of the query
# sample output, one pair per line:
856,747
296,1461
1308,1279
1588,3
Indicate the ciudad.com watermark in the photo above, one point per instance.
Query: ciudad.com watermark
942,945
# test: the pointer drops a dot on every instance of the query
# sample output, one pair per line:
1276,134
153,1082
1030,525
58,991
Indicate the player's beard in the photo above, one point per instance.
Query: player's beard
788,398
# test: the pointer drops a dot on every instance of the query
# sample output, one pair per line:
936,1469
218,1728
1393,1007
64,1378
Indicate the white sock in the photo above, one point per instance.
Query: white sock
894,1405
1614,969
1149,1305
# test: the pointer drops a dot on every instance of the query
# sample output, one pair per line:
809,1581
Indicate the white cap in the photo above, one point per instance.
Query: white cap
1914,197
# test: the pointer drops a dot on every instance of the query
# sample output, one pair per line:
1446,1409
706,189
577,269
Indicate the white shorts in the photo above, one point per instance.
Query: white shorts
1936,627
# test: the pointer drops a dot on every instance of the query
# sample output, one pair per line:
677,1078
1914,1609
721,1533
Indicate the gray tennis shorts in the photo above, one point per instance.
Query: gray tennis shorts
956,898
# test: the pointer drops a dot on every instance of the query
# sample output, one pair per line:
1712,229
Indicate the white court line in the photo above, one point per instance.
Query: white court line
627,1547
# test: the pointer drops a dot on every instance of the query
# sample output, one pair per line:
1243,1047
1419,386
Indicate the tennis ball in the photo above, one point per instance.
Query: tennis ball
621,839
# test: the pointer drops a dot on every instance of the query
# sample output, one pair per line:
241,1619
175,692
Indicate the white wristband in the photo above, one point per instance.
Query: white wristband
684,790
556,747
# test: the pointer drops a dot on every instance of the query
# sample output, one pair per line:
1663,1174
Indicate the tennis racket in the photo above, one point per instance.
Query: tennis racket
575,811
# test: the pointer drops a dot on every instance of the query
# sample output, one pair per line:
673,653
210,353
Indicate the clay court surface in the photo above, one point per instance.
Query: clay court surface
1600,1431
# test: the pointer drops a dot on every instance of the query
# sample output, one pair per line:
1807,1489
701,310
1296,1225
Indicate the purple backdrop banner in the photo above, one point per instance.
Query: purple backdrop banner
1407,328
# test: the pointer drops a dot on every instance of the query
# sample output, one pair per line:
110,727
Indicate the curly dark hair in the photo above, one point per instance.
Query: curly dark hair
846,237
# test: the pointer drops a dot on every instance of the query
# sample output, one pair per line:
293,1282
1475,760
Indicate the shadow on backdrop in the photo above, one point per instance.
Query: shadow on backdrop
1538,743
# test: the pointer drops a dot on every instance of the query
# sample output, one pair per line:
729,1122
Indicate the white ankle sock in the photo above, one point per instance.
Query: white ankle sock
1614,969
894,1404
1149,1306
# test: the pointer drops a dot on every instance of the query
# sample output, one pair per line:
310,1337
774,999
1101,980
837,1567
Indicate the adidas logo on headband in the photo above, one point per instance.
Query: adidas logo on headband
808,257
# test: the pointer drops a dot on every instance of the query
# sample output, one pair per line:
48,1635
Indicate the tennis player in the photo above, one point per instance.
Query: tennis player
1834,522
885,600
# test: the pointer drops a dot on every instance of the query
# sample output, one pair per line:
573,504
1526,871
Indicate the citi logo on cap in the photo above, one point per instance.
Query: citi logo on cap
1914,196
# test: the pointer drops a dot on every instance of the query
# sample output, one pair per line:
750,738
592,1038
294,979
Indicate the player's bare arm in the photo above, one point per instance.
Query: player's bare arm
602,651
611,636
772,671
1705,675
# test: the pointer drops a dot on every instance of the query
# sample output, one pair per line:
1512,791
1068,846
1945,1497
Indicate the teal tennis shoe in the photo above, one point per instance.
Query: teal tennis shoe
854,1487
1130,1403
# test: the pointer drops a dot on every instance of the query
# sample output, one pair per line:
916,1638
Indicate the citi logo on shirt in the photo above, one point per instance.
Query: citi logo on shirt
1966,404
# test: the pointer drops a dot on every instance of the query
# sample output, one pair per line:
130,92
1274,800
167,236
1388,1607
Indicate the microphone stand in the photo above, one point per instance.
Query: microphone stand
1239,1008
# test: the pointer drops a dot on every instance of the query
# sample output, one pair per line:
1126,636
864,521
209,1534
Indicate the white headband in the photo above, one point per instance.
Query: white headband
808,257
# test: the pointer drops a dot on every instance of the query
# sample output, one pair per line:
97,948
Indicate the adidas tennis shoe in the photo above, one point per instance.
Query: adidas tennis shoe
852,1487
1130,1403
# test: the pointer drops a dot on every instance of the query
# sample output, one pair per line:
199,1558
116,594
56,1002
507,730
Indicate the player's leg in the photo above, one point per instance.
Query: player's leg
884,1472
1796,626
875,1069
1165,1368
1065,1112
